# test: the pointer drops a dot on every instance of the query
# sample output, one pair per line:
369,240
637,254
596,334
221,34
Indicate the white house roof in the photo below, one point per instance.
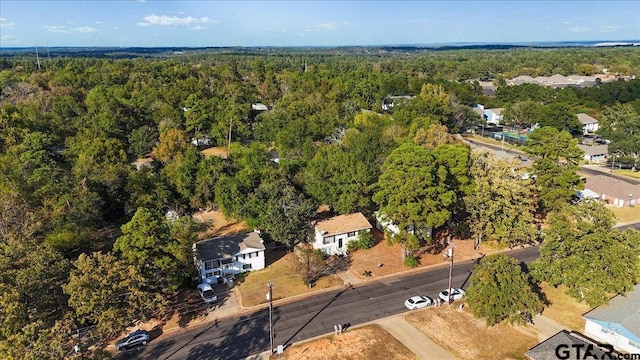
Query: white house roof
623,310
496,111
227,246
586,119
594,150
259,107
343,224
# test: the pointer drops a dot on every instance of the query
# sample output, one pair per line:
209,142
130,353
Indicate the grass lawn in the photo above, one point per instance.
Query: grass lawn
286,283
367,343
564,309
628,172
626,214
468,338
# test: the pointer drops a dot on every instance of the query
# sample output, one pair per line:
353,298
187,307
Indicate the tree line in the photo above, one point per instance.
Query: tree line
85,238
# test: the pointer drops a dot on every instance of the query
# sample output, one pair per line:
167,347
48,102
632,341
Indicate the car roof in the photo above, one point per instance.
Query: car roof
205,287
417,298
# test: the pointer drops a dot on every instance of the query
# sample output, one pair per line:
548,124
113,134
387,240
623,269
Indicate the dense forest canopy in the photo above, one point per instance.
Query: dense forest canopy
72,126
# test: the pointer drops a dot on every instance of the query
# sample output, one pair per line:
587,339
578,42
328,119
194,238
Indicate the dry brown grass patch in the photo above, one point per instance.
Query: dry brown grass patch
468,338
563,308
286,282
626,214
367,343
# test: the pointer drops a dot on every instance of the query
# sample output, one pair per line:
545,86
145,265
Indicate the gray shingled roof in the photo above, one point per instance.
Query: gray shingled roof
228,246
546,350
586,119
623,310
595,149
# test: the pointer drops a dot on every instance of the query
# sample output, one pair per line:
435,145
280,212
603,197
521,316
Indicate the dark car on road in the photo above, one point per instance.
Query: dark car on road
138,337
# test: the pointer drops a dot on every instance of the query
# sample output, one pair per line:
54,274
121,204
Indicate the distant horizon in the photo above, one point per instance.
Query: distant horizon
561,43
199,24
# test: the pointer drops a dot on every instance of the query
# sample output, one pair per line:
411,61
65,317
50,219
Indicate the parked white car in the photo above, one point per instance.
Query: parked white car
206,292
456,294
418,302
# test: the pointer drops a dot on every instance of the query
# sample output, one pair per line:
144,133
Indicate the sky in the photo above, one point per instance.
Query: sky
165,23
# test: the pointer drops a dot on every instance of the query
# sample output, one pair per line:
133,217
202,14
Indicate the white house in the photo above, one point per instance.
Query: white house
589,124
595,154
332,235
229,255
617,323
383,223
493,116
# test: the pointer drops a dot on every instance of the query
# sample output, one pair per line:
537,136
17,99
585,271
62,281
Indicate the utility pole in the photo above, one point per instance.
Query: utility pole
269,297
450,254
37,57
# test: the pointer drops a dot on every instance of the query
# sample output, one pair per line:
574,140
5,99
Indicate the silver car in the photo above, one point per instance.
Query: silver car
138,337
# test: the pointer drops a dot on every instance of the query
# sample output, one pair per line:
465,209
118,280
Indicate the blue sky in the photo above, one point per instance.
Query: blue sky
153,23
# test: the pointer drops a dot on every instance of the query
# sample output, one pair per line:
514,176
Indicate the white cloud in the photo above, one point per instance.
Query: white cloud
7,38
198,27
98,22
84,29
579,29
174,20
610,28
329,26
4,23
63,29
56,29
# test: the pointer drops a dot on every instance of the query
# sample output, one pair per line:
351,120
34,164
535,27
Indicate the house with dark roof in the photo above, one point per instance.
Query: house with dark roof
589,124
566,345
332,235
595,154
229,255
617,323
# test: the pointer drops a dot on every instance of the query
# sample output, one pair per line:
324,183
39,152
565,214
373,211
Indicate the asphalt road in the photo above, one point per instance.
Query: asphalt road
629,226
239,337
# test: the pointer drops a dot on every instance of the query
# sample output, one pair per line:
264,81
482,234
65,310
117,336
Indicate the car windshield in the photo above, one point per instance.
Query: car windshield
207,293
411,301
445,293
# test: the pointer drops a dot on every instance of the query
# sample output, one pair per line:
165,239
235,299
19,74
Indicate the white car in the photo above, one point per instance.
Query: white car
206,292
456,294
418,302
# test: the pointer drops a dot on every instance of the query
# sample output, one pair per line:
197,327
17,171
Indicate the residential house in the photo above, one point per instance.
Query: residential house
390,101
332,235
229,255
589,125
566,345
384,224
617,323
614,191
595,154
558,81
494,116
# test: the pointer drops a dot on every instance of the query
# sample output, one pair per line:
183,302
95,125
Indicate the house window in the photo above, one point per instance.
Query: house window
246,266
634,344
226,261
328,240
211,264
351,234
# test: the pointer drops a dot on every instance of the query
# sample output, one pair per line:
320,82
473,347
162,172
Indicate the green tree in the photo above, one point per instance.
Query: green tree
111,293
555,167
172,144
501,206
499,290
582,252
282,212
620,124
142,140
418,188
146,242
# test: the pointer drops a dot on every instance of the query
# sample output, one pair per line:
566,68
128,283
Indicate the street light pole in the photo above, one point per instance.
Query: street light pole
450,269
269,297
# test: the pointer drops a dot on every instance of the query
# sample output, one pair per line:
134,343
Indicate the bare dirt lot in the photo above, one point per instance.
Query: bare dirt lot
367,343
468,338
390,256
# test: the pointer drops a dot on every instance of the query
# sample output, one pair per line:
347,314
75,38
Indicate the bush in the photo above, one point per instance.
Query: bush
365,241
411,261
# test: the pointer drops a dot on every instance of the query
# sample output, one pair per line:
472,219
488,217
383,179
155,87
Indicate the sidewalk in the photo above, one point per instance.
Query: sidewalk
546,326
413,339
